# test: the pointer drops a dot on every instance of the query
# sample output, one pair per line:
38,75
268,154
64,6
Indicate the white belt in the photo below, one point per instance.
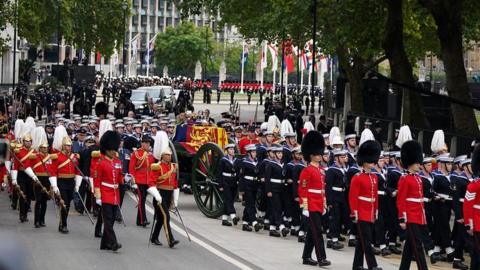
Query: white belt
228,174
317,191
461,200
476,206
250,178
381,192
426,199
277,181
417,200
366,199
339,189
444,196
114,186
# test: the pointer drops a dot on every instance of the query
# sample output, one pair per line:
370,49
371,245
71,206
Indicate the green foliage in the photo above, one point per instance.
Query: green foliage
89,24
6,12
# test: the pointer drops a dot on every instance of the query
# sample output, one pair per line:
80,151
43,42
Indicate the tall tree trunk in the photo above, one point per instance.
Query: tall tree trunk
448,18
355,78
401,68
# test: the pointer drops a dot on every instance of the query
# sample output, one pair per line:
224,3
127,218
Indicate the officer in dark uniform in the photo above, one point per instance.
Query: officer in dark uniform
274,187
393,175
248,185
227,175
351,171
232,92
383,211
219,93
335,194
249,94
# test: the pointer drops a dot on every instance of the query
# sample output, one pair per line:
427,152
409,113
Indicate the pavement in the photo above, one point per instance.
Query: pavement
212,247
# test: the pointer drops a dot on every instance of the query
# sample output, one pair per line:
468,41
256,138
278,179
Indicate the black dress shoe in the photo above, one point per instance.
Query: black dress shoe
246,228
116,246
324,262
395,250
385,252
173,243
274,234
23,219
156,242
341,238
310,261
301,239
376,251
257,227
337,245
352,242
459,265
266,227
98,234
37,225
329,243
293,232
226,223
42,224
235,220
375,268
63,230
146,223
285,232
359,268
435,257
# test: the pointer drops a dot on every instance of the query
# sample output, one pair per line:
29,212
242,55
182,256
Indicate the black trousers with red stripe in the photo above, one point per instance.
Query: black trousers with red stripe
415,234
364,245
142,197
314,237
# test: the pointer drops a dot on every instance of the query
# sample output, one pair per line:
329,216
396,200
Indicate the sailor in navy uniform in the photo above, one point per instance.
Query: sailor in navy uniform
442,205
394,172
335,194
383,212
351,147
351,171
227,175
274,187
298,223
288,198
290,143
248,185
263,149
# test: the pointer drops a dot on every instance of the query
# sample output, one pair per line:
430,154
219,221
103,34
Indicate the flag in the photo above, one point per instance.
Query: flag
98,58
273,52
134,48
308,48
150,50
263,60
244,55
288,56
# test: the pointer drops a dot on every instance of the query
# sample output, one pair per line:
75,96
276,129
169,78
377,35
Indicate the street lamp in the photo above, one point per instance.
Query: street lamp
124,51
59,38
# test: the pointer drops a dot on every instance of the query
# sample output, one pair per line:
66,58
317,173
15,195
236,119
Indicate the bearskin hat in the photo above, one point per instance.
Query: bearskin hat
101,108
109,141
411,153
312,144
476,160
368,152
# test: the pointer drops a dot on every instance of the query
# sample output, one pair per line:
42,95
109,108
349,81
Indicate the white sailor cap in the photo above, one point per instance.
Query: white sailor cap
297,149
76,118
460,158
350,136
445,158
144,121
326,135
465,161
397,154
339,152
326,151
137,126
277,148
251,147
230,145
119,125
118,121
289,134
92,122
427,160
266,133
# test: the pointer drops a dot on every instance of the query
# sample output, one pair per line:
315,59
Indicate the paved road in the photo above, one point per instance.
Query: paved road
213,246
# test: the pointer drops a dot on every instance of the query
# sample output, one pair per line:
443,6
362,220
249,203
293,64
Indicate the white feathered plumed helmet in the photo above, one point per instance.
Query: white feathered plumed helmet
161,145
39,138
60,138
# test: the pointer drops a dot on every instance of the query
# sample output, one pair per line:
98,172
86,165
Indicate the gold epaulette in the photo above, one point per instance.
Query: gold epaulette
155,166
16,150
53,156
32,156
13,145
95,154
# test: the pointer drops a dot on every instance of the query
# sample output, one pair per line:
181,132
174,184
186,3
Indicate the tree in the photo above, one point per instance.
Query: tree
87,24
181,47
6,12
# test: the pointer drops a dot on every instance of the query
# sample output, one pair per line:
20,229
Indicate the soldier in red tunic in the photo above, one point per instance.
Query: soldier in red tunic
139,167
312,195
108,176
163,186
411,210
66,179
363,199
22,174
471,209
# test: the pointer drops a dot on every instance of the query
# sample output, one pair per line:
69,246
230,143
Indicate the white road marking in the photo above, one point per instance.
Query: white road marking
198,241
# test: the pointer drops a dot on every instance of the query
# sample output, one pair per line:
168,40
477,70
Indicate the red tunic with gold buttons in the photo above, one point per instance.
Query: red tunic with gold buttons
410,200
312,188
164,176
108,177
244,142
363,196
139,166
43,164
471,206
24,158
65,166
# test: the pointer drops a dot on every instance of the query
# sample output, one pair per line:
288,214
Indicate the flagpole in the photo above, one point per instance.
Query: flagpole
148,59
243,66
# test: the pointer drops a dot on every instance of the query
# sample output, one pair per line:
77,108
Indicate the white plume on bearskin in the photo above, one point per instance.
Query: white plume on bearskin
273,123
161,144
334,132
39,137
286,127
438,142
58,135
18,129
104,126
404,135
366,135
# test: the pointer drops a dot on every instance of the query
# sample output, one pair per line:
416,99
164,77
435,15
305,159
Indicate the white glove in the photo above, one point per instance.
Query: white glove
305,213
53,183
98,201
30,173
355,217
14,174
155,194
8,165
78,182
176,195
394,194
127,178
134,186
